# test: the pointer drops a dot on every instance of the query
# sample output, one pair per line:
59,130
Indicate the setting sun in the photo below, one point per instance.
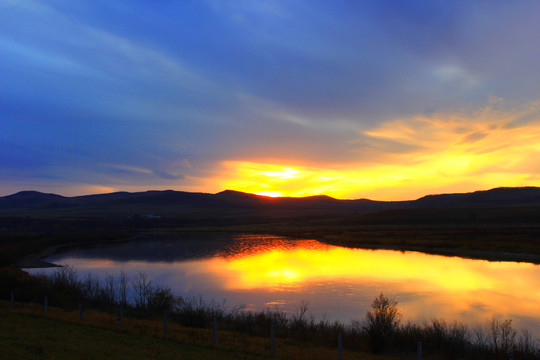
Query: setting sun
270,193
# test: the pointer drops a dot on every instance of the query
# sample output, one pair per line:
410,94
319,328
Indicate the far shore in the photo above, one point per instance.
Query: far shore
462,253
36,260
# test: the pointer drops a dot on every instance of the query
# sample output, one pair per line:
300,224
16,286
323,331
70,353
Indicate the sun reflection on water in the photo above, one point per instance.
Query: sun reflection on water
339,282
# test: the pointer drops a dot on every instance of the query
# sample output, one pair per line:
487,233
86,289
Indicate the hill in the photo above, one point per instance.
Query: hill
498,197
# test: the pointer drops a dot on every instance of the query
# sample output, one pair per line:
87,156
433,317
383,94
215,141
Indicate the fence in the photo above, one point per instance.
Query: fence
214,327
79,311
79,315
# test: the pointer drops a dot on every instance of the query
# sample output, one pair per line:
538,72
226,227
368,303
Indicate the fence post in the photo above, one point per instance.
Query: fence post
46,304
340,346
80,310
215,330
419,351
272,338
165,329
12,300
121,315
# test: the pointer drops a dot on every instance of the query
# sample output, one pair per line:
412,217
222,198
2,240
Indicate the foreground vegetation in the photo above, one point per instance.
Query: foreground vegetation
26,333
243,334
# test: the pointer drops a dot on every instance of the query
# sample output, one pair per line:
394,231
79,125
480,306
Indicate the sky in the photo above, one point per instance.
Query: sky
386,100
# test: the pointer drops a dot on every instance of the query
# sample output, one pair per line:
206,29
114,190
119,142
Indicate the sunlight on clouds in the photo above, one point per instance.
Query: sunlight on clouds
283,174
97,189
448,153
276,180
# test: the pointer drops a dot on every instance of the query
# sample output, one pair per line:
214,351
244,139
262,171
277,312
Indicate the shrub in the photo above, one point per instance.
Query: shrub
382,322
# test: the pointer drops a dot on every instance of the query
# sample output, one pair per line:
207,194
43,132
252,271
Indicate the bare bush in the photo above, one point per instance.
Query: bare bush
161,299
108,292
382,322
501,336
142,288
447,339
527,346
91,287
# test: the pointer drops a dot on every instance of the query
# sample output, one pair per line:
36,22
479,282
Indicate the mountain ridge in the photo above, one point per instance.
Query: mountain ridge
501,196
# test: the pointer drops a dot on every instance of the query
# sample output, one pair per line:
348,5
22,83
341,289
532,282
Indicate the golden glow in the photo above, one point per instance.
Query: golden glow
277,267
282,174
450,285
443,153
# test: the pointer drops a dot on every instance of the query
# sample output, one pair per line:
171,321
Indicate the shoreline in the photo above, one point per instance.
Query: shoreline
461,253
33,261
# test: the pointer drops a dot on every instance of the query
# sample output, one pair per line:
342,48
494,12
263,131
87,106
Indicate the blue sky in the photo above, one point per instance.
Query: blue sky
205,95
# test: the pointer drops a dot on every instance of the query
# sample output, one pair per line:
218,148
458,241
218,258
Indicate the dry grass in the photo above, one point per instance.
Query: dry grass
27,333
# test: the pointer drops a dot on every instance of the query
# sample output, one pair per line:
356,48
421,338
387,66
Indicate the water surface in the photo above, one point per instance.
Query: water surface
338,283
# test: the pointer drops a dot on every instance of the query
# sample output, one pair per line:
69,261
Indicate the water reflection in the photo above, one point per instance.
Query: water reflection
339,283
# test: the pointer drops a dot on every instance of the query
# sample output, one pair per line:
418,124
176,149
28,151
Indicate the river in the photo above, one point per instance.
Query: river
337,283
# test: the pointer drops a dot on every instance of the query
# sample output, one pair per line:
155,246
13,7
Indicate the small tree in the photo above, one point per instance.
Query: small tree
143,289
381,322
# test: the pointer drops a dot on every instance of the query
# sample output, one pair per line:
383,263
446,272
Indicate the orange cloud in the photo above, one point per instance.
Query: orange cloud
443,153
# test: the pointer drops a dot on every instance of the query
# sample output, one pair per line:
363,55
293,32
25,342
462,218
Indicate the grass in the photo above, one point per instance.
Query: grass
27,333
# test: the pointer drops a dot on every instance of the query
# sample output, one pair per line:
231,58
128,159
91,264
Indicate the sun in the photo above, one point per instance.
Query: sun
270,193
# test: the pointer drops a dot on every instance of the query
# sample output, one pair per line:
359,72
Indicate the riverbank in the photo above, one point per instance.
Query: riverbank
35,260
461,253
384,237
519,243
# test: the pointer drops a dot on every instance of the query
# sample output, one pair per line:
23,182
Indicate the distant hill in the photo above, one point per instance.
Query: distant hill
30,199
229,199
503,196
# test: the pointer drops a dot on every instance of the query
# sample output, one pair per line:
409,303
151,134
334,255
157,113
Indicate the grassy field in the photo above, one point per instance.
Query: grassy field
27,333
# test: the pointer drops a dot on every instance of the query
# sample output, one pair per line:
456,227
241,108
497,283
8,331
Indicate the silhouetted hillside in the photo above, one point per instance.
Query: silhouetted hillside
31,199
254,208
503,196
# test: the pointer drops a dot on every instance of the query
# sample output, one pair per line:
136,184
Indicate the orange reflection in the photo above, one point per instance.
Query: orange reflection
448,285
300,265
